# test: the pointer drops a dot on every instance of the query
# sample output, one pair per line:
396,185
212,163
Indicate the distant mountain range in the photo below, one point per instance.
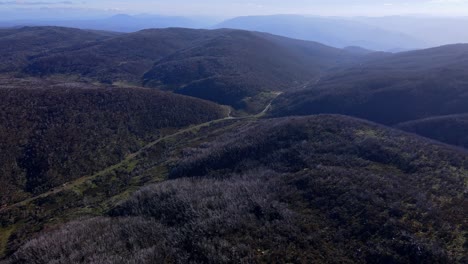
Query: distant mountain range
119,23
396,33
337,32
392,34
434,31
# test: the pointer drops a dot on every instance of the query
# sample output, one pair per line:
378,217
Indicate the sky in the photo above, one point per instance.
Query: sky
22,9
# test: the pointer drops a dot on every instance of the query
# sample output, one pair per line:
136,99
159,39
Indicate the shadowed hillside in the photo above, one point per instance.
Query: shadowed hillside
390,89
309,189
448,129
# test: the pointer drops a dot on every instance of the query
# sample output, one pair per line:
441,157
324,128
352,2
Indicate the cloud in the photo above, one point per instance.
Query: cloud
26,3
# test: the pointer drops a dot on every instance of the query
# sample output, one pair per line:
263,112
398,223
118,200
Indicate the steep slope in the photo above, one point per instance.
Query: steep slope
389,89
336,32
448,129
53,133
309,189
239,64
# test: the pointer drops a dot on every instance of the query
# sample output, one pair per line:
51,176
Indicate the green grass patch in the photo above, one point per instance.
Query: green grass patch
5,234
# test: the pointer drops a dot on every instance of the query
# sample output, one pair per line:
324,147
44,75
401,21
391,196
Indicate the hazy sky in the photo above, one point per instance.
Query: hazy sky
227,8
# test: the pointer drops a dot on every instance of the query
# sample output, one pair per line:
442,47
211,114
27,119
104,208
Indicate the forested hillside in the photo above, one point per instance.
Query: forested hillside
310,189
51,134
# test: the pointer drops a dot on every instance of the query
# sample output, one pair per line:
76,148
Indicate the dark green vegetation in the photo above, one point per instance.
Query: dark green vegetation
51,134
302,190
225,66
389,89
95,169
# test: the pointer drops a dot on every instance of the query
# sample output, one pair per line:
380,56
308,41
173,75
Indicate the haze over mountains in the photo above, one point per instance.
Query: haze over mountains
181,145
392,33
337,32
119,23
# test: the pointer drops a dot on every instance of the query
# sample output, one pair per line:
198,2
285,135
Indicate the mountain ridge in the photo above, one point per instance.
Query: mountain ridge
246,64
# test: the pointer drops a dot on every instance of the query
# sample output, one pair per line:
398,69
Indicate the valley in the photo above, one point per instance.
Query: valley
185,145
